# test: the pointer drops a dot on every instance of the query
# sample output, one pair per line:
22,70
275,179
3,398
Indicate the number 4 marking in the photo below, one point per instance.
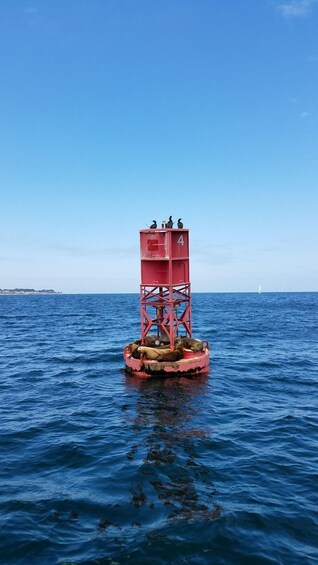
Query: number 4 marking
181,240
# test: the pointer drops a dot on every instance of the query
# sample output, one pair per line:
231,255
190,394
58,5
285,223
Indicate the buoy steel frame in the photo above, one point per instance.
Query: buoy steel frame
167,309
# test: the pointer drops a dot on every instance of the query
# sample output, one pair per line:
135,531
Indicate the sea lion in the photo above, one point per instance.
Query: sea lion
193,344
151,340
163,354
134,349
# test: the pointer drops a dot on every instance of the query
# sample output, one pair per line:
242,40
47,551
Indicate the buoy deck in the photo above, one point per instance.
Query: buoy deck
192,363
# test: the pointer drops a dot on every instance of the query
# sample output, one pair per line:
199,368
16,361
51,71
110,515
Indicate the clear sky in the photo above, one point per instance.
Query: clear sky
117,112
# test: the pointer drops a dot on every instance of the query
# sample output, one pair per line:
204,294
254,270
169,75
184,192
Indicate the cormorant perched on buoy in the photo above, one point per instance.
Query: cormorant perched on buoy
169,224
153,225
180,224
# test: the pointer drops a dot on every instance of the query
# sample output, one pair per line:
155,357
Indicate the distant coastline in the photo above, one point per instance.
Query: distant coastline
27,291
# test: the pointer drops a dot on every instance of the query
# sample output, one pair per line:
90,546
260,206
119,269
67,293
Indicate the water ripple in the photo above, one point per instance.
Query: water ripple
100,467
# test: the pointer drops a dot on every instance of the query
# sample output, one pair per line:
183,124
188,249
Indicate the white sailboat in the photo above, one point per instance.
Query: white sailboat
259,289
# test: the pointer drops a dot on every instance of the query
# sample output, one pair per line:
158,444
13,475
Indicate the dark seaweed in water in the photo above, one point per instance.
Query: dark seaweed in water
98,467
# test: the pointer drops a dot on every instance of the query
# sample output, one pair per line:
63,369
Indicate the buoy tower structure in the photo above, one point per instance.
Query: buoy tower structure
165,309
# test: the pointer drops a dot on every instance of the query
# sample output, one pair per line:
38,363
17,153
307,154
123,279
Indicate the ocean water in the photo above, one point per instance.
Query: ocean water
98,467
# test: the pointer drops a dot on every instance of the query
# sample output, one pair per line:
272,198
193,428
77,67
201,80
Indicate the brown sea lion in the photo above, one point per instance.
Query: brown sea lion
191,343
163,354
151,340
134,349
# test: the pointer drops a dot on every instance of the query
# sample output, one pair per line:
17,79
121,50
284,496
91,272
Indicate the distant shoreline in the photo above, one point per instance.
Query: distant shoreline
23,291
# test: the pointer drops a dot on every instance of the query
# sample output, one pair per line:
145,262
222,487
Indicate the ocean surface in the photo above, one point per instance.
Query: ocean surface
98,467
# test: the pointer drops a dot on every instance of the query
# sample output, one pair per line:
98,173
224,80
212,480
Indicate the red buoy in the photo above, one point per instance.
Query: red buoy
166,346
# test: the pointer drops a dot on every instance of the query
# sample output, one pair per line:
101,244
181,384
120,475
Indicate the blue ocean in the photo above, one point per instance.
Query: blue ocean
98,467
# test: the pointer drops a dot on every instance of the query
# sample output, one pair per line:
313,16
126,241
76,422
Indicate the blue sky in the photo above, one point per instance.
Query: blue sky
116,112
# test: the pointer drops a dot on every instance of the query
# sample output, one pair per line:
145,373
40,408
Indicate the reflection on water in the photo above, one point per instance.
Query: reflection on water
172,477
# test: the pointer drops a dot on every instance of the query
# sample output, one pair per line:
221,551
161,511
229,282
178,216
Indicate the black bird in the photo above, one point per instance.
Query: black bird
180,224
154,225
169,224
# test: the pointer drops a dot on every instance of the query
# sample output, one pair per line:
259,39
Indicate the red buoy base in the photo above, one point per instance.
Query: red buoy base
192,363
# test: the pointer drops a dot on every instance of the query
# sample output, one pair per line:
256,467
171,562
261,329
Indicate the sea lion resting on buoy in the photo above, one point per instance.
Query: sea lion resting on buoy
163,354
193,344
151,340
134,349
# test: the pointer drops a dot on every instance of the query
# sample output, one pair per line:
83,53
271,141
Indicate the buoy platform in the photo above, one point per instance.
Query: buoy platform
192,363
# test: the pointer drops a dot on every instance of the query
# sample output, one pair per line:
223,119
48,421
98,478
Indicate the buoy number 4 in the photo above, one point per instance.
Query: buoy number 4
181,240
